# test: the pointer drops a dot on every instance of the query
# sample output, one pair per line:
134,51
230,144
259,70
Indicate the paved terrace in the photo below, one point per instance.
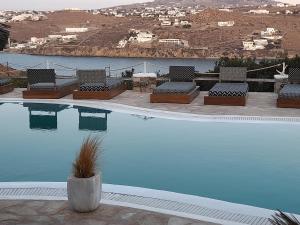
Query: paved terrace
258,104
27,212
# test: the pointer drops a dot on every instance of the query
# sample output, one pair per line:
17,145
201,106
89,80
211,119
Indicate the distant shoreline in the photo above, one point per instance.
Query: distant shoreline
136,57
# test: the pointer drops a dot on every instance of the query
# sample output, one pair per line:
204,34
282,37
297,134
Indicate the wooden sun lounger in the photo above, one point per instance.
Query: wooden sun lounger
175,98
289,95
42,84
181,89
91,81
6,88
229,94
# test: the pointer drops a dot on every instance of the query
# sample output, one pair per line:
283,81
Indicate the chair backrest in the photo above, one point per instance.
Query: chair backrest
233,74
41,76
91,76
182,73
294,75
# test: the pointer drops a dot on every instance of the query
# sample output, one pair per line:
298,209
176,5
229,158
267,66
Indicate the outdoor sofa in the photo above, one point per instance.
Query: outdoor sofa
180,89
95,85
289,95
6,85
43,84
232,88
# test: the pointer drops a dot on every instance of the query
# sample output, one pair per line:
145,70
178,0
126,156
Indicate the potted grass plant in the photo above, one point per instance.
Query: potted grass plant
84,185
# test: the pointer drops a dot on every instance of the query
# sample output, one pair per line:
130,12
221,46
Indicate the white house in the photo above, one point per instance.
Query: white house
54,37
69,38
122,43
38,41
76,29
226,23
226,10
184,23
21,17
171,41
145,36
262,42
166,23
252,46
259,11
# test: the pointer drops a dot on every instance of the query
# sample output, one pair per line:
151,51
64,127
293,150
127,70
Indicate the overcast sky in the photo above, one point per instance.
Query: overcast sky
83,4
61,4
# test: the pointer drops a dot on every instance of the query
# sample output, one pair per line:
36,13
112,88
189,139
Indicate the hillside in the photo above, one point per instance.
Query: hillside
204,3
205,38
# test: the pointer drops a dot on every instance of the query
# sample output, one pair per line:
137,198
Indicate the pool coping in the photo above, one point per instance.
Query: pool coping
163,114
170,203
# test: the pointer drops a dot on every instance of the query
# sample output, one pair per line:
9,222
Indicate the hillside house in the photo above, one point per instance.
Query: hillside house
76,29
226,23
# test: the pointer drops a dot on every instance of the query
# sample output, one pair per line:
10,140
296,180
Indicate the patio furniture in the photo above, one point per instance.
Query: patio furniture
6,85
43,116
92,119
95,85
289,95
4,35
232,89
43,84
180,89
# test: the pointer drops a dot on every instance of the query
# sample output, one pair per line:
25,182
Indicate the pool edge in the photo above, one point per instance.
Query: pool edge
188,206
121,108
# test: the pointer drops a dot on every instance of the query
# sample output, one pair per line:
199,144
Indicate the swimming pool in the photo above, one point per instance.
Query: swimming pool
248,163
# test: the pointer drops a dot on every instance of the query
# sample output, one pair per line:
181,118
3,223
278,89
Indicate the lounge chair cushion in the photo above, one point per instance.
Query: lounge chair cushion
290,91
60,83
229,89
4,81
110,84
294,75
182,73
175,88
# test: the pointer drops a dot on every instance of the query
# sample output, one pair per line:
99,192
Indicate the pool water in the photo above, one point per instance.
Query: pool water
247,163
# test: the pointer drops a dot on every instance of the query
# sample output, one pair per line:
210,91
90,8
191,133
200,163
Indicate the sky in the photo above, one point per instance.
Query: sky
61,4
83,4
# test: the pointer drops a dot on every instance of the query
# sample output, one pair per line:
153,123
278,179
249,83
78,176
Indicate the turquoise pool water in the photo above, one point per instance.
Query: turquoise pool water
254,164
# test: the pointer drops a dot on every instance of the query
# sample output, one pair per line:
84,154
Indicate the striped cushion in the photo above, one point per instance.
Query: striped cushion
229,89
290,91
175,88
4,82
110,84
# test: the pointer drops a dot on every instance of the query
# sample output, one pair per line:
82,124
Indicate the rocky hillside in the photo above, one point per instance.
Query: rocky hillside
207,3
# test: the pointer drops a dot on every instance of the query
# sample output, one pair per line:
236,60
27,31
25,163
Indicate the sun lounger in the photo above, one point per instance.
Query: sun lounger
180,89
234,93
289,95
6,85
95,85
43,84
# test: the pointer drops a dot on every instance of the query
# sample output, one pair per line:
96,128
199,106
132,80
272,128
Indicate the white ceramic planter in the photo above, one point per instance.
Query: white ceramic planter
84,194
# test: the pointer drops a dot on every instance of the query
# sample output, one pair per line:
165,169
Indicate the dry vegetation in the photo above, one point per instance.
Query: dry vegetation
85,164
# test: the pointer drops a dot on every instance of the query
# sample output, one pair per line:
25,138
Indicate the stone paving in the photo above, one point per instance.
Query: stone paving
258,104
27,212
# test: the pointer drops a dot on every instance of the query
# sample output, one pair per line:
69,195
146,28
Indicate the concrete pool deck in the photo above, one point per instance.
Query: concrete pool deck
161,202
30,212
258,104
